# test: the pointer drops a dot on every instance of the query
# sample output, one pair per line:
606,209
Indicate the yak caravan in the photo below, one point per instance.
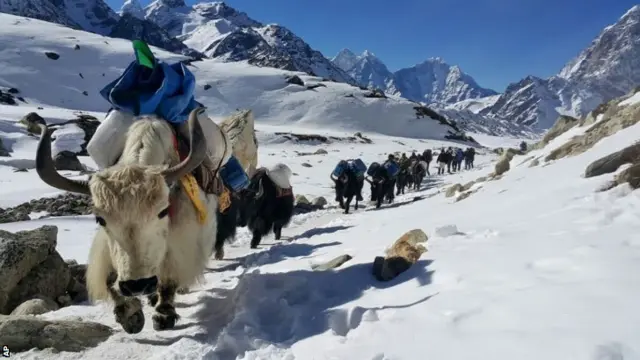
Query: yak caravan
156,205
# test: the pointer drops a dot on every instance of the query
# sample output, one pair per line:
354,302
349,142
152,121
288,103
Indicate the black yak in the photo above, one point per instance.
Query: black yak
267,203
348,177
418,172
383,178
228,219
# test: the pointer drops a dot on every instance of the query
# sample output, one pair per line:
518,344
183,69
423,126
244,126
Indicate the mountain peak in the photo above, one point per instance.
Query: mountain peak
345,59
367,53
133,8
634,11
174,3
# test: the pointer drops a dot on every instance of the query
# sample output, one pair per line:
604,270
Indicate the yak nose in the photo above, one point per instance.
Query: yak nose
139,286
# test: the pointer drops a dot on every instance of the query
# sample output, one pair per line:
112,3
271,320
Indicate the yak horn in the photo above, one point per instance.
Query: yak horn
197,149
47,171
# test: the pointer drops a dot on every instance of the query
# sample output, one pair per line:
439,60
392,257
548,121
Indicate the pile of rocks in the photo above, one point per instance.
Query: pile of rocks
35,280
67,204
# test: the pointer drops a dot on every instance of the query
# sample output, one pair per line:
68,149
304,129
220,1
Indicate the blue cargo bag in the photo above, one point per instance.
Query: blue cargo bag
233,175
373,168
392,168
358,167
340,169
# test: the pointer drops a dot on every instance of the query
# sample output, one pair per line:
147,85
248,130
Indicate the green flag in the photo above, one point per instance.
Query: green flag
144,56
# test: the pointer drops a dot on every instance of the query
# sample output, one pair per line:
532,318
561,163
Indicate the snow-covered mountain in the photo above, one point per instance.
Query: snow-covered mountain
366,69
432,81
97,17
222,32
608,68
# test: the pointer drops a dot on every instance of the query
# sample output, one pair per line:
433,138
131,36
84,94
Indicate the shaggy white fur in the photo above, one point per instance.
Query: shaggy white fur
280,174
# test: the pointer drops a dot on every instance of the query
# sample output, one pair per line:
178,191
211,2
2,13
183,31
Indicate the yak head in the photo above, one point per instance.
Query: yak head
131,199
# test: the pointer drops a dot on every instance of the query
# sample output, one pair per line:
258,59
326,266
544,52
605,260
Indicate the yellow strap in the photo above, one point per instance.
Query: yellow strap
190,185
224,201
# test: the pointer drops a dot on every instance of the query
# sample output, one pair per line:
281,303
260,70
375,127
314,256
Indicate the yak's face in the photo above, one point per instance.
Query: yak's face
131,204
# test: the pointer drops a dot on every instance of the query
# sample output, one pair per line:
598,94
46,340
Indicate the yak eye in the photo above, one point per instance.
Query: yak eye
100,220
163,213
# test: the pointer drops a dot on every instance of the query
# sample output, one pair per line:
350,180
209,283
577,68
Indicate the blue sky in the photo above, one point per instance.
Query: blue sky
495,41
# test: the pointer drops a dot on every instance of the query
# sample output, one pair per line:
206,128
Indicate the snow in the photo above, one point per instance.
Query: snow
631,100
536,265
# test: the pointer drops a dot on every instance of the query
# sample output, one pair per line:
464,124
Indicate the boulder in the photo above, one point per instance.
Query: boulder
62,205
562,125
50,278
51,55
20,253
612,162
301,199
630,175
22,333
319,202
295,80
455,188
3,152
32,121
332,264
401,256
613,120
67,160
503,165
320,152
35,306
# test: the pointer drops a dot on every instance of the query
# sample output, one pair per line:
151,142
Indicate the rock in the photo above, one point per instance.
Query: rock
62,205
295,80
301,199
314,86
612,162
76,47
468,185
613,120
481,179
332,264
32,121
51,55
21,252
320,152
534,163
78,272
562,125
319,202
7,98
85,93
49,278
207,86
35,306
502,166
306,165
13,91
375,93
401,256
630,175
3,152
464,195
67,160
453,190
22,333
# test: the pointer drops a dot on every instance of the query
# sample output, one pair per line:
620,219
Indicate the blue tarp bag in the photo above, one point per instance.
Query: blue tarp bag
373,168
339,169
392,168
233,175
358,167
149,86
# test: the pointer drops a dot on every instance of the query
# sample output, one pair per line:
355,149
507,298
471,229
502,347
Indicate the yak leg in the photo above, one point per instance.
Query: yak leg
165,317
255,240
127,310
277,229
348,203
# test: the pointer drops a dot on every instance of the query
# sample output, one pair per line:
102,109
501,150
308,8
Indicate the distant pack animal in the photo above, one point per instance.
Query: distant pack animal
403,180
349,180
150,239
382,183
418,172
267,204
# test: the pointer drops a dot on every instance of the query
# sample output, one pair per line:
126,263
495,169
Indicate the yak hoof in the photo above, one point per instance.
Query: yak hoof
164,321
131,323
219,255
152,299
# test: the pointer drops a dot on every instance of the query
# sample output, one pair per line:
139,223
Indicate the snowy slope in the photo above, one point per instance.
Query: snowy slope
74,80
432,81
474,105
607,69
536,265
222,32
